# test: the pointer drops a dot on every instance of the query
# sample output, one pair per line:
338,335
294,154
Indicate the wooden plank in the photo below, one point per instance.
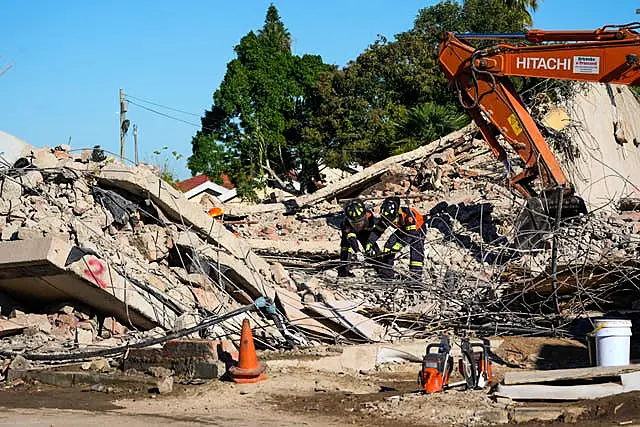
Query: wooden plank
530,377
552,392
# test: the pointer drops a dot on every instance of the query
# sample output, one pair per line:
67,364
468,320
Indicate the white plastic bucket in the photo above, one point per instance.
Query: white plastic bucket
613,339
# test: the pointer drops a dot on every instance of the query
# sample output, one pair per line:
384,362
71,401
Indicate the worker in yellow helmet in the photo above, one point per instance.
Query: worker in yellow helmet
355,230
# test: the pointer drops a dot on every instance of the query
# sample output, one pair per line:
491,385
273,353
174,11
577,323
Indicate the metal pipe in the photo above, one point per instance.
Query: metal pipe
490,36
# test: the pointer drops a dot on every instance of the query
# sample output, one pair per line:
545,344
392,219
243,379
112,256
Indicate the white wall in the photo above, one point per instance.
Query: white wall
606,169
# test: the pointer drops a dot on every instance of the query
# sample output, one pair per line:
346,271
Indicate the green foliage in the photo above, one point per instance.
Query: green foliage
260,112
370,105
525,6
163,160
275,112
427,122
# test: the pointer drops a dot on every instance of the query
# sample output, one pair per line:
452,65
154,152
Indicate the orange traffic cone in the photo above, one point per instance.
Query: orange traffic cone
249,370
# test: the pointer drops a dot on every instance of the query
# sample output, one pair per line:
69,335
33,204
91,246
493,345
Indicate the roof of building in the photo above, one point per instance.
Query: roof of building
193,182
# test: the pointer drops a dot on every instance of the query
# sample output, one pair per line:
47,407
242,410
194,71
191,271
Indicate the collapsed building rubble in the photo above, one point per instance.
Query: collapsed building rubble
96,254
478,278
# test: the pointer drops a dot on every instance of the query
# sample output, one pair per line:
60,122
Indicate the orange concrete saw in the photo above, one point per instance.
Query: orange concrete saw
436,366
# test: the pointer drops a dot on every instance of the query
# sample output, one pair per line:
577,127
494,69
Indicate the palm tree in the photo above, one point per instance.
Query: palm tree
427,122
524,6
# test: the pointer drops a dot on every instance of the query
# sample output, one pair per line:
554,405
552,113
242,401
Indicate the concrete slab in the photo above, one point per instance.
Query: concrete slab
35,272
245,268
7,327
343,315
536,377
12,148
567,392
546,413
71,378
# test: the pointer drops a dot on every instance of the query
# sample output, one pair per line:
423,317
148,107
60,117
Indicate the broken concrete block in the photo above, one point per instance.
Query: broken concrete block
84,336
114,327
81,207
37,322
98,365
44,159
19,363
31,180
207,299
5,207
155,281
65,309
281,276
159,371
193,279
88,280
7,327
85,156
10,189
185,321
197,348
152,242
188,238
142,359
343,314
15,313
24,233
165,384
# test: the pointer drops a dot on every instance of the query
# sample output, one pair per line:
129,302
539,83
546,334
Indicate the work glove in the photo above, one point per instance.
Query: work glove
360,256
368,250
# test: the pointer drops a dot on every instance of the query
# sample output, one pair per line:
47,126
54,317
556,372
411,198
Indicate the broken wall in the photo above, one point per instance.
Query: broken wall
605,126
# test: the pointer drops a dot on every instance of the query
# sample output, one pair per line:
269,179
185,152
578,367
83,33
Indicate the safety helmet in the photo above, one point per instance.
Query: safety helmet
215,212
355,212
390,207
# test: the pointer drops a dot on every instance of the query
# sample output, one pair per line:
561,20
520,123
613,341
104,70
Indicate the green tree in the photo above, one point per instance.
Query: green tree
256,125
523,6
427,122
373,103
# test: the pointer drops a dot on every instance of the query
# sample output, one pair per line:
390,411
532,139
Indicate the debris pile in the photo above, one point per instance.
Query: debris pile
94,252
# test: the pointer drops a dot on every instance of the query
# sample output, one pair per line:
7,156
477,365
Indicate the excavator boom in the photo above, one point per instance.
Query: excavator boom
480,77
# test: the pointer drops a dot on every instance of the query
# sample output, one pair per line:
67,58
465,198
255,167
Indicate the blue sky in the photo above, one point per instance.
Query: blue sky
70,57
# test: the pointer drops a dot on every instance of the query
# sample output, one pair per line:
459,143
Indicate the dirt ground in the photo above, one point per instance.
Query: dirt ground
300,396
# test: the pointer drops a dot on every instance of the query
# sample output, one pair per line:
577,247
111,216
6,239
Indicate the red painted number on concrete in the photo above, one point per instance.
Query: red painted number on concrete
94,272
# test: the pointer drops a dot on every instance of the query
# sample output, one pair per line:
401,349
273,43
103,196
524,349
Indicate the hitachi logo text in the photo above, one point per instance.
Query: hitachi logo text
544,63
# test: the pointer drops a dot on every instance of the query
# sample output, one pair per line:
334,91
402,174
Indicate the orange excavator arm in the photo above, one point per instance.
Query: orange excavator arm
481,79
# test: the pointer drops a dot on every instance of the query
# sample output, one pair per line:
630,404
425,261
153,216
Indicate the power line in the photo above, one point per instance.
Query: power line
168,116
163,106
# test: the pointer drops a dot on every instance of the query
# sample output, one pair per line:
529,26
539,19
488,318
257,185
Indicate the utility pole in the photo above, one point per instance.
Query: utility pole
123,131
135,143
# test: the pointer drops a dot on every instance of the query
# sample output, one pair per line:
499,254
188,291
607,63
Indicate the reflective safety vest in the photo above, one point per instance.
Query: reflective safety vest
409,219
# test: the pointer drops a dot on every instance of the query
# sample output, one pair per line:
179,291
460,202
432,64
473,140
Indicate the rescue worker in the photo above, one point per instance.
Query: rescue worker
218,215
410,229
355,230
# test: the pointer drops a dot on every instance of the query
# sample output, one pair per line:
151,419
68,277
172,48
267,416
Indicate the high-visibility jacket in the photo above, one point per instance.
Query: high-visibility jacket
408,220
350,233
